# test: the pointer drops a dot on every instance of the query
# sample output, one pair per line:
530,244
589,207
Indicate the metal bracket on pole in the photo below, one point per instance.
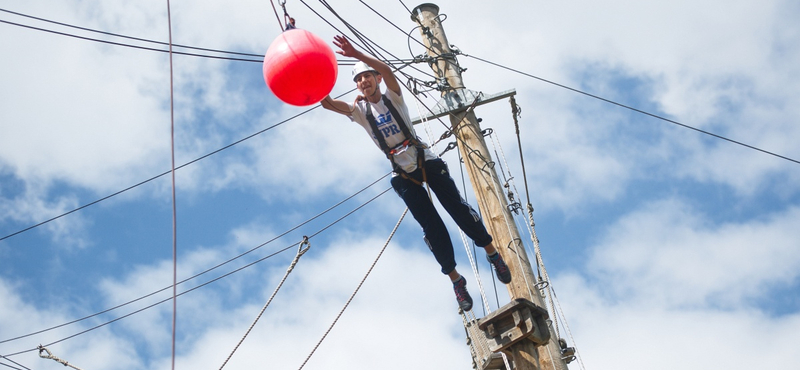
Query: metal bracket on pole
459,100
520,319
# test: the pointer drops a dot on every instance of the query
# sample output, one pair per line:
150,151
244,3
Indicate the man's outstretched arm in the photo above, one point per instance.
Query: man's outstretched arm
348,50
335,105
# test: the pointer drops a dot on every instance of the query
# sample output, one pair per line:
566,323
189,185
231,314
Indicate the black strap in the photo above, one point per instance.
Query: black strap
403,126
373,123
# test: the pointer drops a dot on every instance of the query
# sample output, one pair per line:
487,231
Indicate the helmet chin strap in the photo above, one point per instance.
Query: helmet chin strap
374,94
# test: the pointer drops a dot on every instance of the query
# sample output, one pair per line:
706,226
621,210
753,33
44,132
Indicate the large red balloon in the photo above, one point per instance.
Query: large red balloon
300,68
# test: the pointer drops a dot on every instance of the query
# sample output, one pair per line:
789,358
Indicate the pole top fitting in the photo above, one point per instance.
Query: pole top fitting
433,8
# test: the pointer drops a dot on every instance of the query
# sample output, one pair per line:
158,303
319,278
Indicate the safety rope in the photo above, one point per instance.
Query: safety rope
276,15
477,342
174,202
543,284
548,301
555,305
472,256
474,265
426,125
543,276
301,250
391,235
497,193
515,241
50,356
479,338
531,231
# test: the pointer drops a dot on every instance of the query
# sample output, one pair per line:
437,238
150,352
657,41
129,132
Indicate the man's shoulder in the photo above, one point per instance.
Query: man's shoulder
395,98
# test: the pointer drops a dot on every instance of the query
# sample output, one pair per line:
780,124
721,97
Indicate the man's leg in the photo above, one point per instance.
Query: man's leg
433,228
467,219
435,235
464,215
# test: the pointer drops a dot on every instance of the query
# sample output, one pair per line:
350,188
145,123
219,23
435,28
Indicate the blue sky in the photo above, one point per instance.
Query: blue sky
667,248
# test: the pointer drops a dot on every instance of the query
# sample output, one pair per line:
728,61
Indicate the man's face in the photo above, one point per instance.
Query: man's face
367,83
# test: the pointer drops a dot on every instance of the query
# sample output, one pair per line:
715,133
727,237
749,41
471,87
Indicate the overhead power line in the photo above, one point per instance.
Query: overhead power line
15,363
341,63
321,230
161,174
209,269
128,37
634,109
346,62
364,41
129,45
225,54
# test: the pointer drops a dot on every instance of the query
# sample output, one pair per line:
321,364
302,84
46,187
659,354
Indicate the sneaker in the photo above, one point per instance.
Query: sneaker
462,295
500,268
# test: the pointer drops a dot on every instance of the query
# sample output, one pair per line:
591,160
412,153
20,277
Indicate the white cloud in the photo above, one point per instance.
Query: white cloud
18,317
702,67
28,208
413,310
668,277
665,277
643,334
654,302
99,122
670,253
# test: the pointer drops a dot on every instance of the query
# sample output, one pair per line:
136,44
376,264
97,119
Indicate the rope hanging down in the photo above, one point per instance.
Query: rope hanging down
300,251
544,278
276,14
391,235
174,202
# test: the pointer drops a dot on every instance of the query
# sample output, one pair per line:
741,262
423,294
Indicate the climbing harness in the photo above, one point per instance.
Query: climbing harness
301,249
568,354
411,141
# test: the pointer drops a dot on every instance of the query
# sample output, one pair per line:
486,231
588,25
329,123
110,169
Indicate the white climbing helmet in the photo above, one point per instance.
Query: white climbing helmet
360,68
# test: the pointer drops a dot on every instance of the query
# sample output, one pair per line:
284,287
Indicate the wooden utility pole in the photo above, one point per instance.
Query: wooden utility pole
488,190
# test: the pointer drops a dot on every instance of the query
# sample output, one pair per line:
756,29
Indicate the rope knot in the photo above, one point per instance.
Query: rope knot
306,243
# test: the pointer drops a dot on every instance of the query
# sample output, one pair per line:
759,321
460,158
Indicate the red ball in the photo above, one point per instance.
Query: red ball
300,68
